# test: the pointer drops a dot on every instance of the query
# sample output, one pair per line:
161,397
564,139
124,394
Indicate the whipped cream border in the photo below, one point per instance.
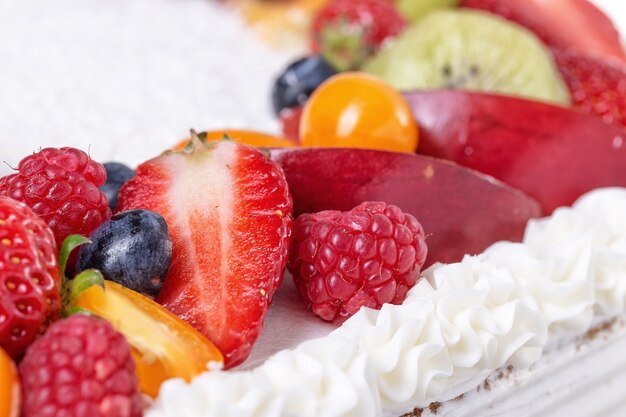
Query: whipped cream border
460,322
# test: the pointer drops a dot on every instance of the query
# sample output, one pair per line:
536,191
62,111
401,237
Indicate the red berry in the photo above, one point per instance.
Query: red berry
347,32
61,186
367,256
29,276
598,87
228,210
81,367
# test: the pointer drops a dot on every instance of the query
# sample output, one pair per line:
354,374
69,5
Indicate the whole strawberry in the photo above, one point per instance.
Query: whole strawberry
61,186
29,276
367,256
598,87
347,32
80,367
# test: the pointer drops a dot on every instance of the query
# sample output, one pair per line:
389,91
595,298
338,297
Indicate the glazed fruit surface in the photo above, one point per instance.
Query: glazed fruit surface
563,155
356,110
163,345
461,210
132,248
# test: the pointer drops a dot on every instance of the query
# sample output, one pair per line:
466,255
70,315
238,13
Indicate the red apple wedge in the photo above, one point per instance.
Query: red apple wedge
551,153
462,211
564,24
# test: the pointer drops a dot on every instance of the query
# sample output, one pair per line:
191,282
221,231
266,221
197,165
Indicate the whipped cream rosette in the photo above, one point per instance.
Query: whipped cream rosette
457,325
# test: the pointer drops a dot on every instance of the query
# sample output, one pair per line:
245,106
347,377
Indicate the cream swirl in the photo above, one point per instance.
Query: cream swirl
218,394
608,209
459,324
558,277
596,224
324,377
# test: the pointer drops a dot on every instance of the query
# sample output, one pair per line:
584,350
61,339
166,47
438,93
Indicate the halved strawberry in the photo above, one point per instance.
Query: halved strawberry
229,213
565,24
597,87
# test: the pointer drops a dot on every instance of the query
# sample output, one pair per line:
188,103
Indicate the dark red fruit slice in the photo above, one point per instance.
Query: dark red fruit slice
564,24
552,153
461,210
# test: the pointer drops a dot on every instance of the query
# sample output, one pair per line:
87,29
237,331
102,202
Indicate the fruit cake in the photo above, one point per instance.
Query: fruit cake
393,208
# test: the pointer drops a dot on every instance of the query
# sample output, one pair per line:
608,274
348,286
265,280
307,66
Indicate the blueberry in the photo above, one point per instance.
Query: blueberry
299,80
117,175
132,248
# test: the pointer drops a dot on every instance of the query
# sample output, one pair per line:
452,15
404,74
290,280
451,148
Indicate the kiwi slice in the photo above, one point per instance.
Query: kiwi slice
470,50
416,9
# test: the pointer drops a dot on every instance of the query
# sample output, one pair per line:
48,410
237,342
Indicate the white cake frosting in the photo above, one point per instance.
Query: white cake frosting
557,276
460,323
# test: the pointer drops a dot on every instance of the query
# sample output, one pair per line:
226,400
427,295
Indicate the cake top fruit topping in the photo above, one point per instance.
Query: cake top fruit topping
163,345
205,229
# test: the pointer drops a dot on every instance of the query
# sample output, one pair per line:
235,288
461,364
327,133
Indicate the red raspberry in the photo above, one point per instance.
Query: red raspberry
61,186
367,256
29,276
81,367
